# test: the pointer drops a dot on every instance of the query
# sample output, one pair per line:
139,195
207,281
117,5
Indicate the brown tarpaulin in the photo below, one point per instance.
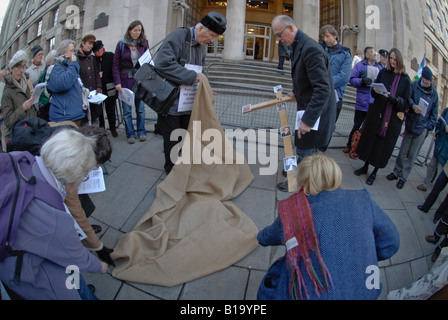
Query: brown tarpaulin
192,229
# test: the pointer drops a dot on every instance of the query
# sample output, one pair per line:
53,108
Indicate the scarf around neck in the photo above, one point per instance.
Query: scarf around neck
301,242
389,107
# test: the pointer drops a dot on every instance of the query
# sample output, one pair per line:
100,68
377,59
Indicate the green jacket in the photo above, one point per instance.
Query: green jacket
12,101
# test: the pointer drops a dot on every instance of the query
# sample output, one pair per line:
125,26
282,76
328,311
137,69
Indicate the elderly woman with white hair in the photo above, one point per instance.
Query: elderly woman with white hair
47,236
66,86
17,101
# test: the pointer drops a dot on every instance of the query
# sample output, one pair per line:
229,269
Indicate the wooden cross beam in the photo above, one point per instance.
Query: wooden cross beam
287,140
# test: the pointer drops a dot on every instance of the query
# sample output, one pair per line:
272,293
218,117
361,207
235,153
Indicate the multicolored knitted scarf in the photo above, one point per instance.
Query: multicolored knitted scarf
301,242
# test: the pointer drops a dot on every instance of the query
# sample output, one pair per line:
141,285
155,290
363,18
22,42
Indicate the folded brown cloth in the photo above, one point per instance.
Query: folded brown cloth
192,229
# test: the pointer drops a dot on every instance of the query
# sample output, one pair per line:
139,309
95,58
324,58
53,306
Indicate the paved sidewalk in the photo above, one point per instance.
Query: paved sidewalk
136,170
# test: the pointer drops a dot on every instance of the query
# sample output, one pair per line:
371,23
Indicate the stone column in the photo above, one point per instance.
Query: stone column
236,22
307,16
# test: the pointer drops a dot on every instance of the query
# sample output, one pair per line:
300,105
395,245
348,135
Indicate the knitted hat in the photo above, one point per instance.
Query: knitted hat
427,74
98,46
36,49
19,57
215,22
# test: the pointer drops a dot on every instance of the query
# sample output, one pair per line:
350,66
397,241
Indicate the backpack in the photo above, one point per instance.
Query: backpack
29,135
19,188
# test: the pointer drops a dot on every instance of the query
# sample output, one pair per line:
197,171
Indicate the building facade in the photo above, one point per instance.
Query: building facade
406,25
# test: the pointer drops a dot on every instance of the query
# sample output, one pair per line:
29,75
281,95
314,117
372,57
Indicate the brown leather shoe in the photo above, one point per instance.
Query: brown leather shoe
346,150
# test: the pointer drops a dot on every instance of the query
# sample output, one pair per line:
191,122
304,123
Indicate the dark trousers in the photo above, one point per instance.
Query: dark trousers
442,230
167,124
360,116
339,109
439,185
110,105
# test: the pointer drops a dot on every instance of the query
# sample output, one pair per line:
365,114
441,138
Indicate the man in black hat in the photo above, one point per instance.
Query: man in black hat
188,43
105,61
37,67
384,56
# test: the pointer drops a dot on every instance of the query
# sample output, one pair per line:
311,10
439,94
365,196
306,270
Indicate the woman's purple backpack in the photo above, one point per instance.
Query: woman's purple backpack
19,187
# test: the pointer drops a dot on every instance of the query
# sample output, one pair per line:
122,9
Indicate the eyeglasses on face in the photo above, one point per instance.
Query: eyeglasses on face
279,35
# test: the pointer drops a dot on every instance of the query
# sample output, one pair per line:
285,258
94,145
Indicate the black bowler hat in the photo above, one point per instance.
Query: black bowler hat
98,46
215,22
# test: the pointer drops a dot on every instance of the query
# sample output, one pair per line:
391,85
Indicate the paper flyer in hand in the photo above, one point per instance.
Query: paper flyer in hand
127,96
188,93
380,87
38,90
93,183
96,98
300,115
423,106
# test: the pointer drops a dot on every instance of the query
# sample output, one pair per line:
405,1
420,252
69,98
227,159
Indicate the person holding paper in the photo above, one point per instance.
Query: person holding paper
313,89
192,41
47,235
90,75
360,80
419,123
385,117
17,101
127,53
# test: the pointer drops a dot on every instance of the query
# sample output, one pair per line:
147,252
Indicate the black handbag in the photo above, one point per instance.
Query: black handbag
157,92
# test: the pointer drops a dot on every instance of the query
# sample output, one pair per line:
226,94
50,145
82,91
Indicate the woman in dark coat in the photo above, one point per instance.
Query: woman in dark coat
385,117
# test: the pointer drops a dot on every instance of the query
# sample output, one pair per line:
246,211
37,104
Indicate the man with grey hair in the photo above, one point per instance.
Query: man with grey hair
313,89
189,44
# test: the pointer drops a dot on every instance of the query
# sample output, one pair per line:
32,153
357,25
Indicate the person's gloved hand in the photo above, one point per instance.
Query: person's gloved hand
104,255
367,81
393,99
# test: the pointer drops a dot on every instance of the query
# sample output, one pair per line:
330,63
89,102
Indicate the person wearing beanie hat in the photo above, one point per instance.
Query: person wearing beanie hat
421,119
193,41
37,66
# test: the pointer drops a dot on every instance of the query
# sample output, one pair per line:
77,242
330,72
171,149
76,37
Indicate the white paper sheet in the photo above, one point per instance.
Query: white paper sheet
188,93
127,96
423,105
94,182
380,87
300,115
146,58
38,90
96,98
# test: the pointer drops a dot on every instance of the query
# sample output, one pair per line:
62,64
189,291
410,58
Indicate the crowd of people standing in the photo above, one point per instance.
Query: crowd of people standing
75,71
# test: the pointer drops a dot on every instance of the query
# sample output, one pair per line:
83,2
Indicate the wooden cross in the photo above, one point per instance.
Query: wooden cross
289,150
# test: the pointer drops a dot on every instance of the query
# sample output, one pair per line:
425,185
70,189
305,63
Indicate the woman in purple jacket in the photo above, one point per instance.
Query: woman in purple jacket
128,51
47,236
362,82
